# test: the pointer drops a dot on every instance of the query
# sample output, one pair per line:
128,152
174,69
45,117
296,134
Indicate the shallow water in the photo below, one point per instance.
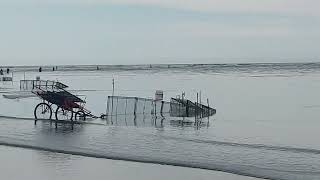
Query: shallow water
266,123
39,165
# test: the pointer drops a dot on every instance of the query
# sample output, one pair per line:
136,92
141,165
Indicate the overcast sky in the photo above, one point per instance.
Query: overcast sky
34,32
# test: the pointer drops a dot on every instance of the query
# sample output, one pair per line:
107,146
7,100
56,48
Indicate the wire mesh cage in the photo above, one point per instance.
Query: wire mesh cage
119,105
127,106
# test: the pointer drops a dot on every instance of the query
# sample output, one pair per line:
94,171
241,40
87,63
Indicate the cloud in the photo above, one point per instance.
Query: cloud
284,7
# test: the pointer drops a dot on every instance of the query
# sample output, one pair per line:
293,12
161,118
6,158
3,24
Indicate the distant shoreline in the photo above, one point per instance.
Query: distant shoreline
165,64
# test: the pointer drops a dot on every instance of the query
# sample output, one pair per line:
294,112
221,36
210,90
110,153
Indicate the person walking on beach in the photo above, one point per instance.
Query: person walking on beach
1,72
8,70
40,69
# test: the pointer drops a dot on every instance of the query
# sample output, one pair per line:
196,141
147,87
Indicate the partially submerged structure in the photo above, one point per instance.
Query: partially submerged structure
177,107
69,108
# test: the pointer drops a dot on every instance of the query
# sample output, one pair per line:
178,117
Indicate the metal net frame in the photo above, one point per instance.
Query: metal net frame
134,106
120,105
187,108
29,85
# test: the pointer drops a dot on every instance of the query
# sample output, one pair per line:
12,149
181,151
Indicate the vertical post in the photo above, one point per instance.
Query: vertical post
144,105
112,87
125,112
112,98
200,104
208,111
135,111
107,110
196,109
161,110
155,108
187,108
117,110
182,96
179,108
111,114
135,106
125,109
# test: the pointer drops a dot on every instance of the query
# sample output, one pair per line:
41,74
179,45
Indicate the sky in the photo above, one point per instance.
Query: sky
58,32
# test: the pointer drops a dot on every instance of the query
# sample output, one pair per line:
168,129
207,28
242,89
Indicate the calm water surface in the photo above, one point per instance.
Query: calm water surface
266,123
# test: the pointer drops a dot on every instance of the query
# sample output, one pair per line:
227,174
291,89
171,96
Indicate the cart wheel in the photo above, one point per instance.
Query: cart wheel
63,114
42,111
80,115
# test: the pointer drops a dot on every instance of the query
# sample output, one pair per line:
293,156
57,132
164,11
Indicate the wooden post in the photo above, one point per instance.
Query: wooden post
161,110
200,104
112,98
155,108
135,106
144,106
196,109
125,109
135,112
117,110
187,108
208,112
112,87
107,110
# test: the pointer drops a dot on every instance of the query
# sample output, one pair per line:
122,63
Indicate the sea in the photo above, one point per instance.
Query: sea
266,125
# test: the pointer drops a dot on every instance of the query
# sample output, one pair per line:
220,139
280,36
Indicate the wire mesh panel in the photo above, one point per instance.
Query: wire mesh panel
29,85
128,106
119,105
186,108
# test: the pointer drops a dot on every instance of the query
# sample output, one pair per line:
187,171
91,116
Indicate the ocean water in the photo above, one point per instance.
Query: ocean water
266,123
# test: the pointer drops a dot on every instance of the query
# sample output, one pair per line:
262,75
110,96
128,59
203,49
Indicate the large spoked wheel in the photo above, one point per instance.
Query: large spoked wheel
63,114
80,115
43,111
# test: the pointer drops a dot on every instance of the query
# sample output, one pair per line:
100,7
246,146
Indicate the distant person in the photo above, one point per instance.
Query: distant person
1,72
8,70
53,69
40,69
98,68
